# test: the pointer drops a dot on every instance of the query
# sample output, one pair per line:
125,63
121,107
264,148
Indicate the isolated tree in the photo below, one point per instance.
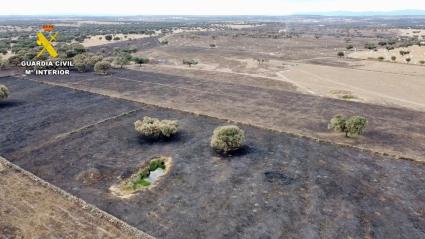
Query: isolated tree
226,139
189,62
370,46
164,42
408,60
393,58
155,128
352,126
382,43
4,92
340,54
355,126
260,61
381,58
349,47
108,37
422,62
140,60
402,52
102,67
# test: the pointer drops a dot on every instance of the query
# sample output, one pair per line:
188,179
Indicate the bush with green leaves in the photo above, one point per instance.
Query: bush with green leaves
4,92
352,126
15,60
122,59
102,67
85,62
227,139
155,128
108,37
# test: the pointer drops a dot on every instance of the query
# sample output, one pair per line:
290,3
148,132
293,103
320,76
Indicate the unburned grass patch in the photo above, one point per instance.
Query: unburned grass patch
146,176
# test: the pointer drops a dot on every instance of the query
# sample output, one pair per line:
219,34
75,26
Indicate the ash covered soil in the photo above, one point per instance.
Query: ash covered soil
278,186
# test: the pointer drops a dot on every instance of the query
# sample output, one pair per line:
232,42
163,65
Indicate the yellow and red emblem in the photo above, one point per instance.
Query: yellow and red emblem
47,44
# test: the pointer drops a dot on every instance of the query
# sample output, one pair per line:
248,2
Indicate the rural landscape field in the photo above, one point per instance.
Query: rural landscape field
218,126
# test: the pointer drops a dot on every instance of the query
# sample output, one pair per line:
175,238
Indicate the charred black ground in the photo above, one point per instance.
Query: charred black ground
279,187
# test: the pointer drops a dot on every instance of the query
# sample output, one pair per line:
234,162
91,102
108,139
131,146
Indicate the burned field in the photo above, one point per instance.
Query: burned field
277,106
278,186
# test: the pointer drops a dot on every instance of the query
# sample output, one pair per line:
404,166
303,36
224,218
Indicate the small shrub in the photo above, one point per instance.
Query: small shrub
155,164
402,52
408,60
393,58
86,61
340,54
155,128
422,62
102,67
226,139
140,60
381,58
190,62
108,37
352,126
337,123
4,92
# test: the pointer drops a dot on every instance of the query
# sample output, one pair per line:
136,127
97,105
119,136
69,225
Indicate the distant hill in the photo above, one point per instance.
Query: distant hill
410,12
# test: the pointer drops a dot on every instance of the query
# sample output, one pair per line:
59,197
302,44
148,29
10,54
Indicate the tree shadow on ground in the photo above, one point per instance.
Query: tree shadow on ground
161,140
10,103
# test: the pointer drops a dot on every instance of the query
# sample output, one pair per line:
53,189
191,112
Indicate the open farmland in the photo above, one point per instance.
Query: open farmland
74,164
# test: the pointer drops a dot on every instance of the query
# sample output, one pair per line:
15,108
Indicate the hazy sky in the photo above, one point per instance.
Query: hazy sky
198,7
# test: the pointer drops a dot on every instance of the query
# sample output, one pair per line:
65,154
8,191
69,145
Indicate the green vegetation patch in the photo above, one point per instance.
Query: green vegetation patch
352,126
140,179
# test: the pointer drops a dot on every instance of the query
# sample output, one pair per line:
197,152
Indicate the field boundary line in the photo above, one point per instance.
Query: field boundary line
91,209
392,154
62,136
